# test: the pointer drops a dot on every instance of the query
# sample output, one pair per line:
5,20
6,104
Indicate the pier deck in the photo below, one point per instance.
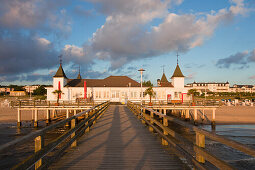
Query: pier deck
118,141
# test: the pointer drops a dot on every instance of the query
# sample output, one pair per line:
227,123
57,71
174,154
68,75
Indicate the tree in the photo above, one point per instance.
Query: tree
147,84
192,92
16,87
57,92
149,91
40,91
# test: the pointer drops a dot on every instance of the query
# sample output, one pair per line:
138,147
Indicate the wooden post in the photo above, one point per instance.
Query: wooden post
151,121
200,142
67,116
187,115
143,122
86,117
164,111
38,146
165,124
32,112
213,120
36,118
94,111
195,116
203,117
47,116
19,118
74,144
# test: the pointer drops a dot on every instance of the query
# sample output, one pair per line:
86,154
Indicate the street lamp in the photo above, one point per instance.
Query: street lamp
141,71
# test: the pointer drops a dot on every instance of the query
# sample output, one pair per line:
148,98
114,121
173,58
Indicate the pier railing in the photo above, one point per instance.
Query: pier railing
45,103
55,147
193,151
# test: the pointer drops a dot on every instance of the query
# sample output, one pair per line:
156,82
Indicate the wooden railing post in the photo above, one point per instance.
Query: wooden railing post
165,124
200,142
143,122
73,122
151,121
39,143
86,117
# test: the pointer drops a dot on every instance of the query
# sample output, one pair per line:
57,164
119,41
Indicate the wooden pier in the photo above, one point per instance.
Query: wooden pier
50,112
123,137
119,141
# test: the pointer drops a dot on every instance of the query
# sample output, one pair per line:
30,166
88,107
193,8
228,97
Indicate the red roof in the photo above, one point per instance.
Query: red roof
111,81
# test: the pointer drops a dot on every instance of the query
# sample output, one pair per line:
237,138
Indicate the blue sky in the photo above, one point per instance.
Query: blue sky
215,39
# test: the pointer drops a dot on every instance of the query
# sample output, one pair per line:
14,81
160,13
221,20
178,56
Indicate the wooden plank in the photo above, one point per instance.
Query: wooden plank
118,141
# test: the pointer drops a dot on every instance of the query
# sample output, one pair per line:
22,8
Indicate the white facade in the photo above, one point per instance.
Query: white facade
117,94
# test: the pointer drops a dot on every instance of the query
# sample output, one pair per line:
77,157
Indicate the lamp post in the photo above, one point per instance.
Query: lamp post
141,71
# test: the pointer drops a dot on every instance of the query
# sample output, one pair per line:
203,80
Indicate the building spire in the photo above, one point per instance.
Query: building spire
79,75
60,59
177,58
163,67
60,72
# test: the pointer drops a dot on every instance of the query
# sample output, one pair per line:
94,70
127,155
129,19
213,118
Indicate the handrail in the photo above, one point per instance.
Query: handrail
200,135
32,160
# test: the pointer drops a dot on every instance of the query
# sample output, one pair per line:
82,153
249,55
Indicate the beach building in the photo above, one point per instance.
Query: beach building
116,88
17,93
202,87
31,88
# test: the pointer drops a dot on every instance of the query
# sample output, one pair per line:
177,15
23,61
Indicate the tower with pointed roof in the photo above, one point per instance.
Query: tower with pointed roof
79,74
178,77
59,79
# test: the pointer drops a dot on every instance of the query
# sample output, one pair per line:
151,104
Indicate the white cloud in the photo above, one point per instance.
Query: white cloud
43,41
74,51
125,35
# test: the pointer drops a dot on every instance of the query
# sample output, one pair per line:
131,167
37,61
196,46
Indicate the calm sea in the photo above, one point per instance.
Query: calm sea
244,134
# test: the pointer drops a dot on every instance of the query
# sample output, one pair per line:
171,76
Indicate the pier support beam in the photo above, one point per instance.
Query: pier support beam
213,120
195,117
19,118
48,116
36,118
187,115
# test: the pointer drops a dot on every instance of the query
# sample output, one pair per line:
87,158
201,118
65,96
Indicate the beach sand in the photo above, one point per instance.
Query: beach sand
224,115
8,115
234,115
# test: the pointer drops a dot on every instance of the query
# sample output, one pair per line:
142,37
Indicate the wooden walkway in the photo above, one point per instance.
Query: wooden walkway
118,141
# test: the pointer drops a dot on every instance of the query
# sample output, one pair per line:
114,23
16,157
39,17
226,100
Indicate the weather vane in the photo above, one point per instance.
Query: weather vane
163,67
60,59
177,57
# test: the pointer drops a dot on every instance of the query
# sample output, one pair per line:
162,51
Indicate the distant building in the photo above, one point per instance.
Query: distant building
243,88
209,86
116,88
221,87
17,93
6,90
31,88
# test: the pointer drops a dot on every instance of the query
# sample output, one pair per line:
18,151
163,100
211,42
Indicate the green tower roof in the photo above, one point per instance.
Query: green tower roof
60,72
177,72
163,78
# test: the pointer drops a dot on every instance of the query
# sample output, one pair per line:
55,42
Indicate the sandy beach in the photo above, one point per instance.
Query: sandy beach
224,115
234,115
8,115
